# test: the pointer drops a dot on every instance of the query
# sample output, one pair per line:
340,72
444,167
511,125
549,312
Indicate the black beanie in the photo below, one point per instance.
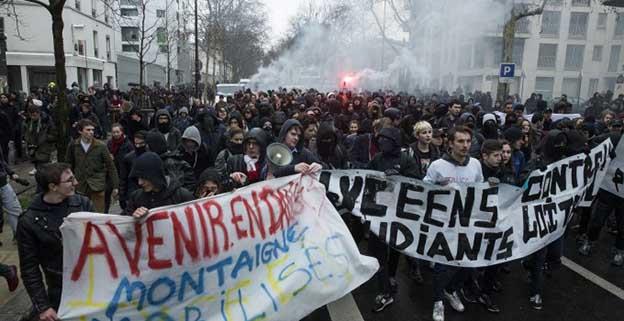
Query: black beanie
156,142
148,166
513,134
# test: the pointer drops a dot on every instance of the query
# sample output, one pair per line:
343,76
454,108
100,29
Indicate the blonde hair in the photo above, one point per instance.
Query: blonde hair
421,126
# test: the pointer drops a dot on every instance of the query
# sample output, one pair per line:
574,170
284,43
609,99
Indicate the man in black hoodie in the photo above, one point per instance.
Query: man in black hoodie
176,168
332,155
127,185
304,161
164,125
156,188
392,162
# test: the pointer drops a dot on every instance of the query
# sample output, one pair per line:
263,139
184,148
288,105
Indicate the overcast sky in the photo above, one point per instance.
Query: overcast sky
279,12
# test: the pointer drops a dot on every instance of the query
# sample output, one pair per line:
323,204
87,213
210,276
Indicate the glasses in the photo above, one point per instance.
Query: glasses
69,180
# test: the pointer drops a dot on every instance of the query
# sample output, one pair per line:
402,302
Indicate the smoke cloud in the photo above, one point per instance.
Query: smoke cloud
350,52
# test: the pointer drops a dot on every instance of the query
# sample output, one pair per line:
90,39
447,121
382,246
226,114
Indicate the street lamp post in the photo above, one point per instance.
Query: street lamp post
197,72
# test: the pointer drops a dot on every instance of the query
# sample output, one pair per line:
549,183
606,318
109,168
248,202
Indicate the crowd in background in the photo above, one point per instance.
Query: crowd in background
154,147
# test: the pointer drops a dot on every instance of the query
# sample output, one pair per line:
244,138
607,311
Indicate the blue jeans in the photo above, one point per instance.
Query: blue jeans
10,205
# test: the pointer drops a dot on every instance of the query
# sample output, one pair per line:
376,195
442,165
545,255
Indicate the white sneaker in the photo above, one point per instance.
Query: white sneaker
33,172
454,301
438,311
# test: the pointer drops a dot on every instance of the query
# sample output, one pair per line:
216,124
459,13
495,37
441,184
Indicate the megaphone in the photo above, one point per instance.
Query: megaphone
278,155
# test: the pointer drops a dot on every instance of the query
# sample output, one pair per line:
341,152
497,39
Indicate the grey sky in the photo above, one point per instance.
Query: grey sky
279,12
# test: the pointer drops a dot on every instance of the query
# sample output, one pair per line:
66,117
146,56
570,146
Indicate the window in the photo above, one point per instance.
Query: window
130,48
574,57
619,26
77,4
93,9
109,80
97,77
593,87
479,59
609,83
570,87
614,58
161,35
96,53
128,2
578,25
163,48
544,86
518,52
129,34
465,57
160,13
602,21
550,23
129,12
81,48
555,2
108,49
547,56
597,55
580,3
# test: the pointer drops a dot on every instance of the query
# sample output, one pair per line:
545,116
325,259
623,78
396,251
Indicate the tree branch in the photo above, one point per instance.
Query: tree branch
402,22
40,3
537,11
383,34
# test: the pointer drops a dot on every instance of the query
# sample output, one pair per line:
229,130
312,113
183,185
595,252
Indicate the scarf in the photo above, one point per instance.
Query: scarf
253,174
116,143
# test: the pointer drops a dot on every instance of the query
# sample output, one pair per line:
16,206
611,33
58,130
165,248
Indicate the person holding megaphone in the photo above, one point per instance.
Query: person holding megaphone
303,160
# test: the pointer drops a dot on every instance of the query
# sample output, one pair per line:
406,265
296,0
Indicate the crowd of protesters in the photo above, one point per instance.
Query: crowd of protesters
161,147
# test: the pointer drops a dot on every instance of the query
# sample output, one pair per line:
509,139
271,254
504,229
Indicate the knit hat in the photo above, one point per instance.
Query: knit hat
513,134
488,117
392,113
149,166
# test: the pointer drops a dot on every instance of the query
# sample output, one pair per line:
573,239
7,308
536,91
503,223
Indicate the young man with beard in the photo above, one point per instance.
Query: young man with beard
455,167
39,244
392,161
164,125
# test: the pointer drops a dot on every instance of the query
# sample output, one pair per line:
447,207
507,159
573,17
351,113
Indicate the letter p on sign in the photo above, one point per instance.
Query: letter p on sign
507,70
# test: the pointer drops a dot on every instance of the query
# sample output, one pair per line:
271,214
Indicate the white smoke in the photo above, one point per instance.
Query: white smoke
352,53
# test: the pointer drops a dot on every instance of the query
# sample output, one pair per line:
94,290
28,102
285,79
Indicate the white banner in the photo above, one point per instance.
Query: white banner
470,225
275,250
614,179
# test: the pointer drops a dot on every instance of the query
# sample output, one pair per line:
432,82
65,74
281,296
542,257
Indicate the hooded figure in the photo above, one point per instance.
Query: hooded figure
330,152
392,160
195,152
210,183
163,190
175,166
300,153
212,131
251,163
183,120
172,134
490,129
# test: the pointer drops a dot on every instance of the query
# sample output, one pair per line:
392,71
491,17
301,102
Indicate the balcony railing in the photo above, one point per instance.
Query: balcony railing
546,62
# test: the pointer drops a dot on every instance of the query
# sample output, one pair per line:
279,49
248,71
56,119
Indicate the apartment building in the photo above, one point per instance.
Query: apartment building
573,48
89,40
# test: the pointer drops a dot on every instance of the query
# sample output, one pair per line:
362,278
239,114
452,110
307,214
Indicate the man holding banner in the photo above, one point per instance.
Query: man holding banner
452,168
39,241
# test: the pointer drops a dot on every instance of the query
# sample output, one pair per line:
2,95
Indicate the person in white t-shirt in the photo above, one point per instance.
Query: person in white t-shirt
456,166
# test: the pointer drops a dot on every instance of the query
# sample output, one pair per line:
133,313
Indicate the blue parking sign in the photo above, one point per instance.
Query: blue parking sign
507,70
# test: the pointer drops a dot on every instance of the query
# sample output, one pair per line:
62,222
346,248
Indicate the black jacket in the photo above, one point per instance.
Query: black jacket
40,245
173,194
332,155
300,154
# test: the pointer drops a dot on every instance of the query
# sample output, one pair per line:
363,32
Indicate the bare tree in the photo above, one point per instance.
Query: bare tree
509,32
61,108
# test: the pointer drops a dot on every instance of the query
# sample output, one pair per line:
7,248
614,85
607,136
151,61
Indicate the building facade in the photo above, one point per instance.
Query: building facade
89,40
574,47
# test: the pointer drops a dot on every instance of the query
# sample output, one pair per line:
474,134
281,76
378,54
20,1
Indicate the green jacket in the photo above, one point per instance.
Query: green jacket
40,136
92,168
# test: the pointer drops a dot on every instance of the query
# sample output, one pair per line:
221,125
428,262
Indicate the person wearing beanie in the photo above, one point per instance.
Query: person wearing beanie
518,161
156,189
195,152
183,120
394,114
392,161
173,163
210,183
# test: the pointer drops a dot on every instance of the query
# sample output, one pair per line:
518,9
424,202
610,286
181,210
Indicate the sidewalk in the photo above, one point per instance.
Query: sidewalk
14,305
